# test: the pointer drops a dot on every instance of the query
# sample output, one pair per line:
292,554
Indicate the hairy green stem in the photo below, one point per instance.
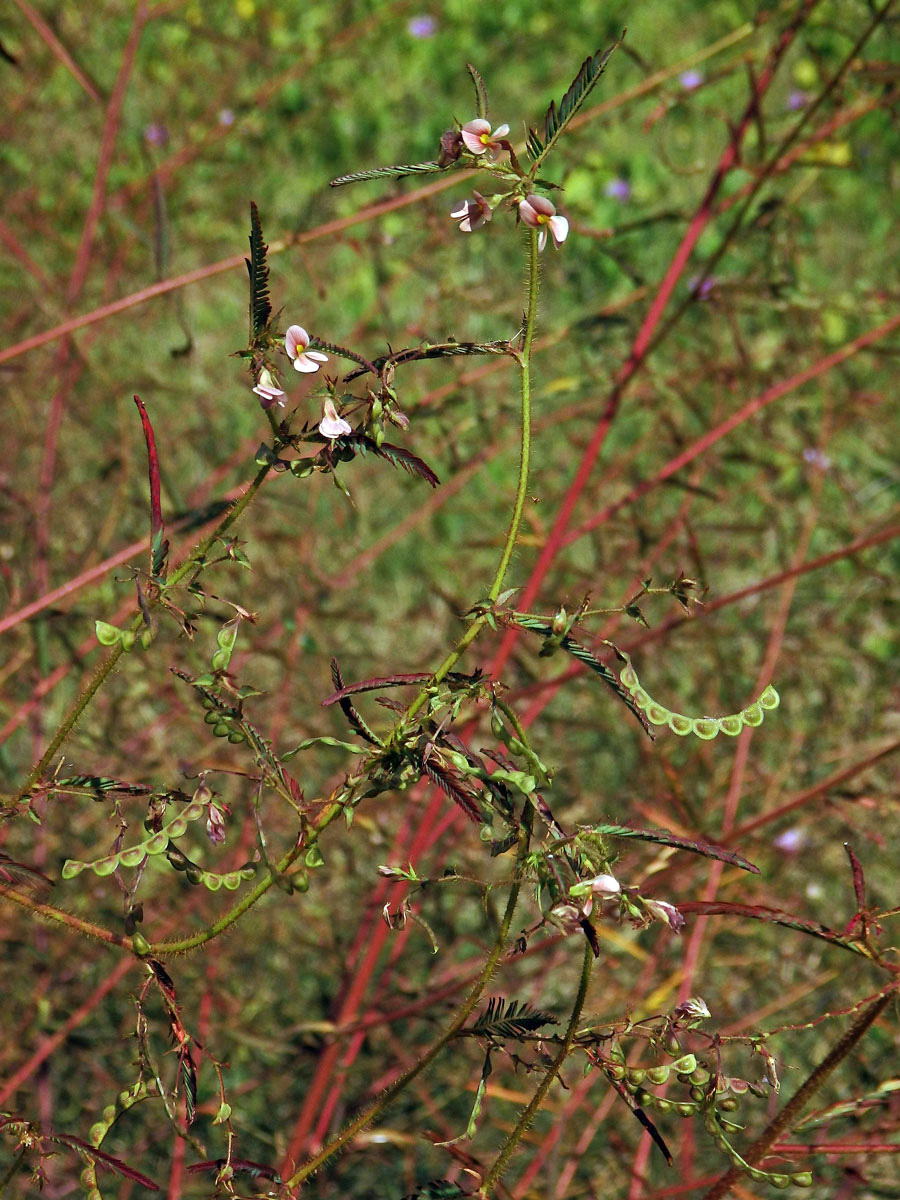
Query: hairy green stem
377,1107
509,545
103,671
528,1115
792,1110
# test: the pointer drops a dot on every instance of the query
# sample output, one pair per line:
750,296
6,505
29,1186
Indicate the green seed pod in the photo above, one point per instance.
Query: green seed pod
157,844
128,638
752,715
132,857
379,435
139,944
615,1053
177,827
635,1076
211,882
615,1071
656,714
193,875
300,881
685,1064
697,1093
497,727
212,718
146,639
662,1105
222,729
97,1133
628,677
657,1075
684,1109
107,635
780,1181
377,409
732,726
71,868
105,866
109,1114
232,881
235,737
680,724
301,469
769,699
700,1076
802,1179
705,727
126,1099
728,1104
640,697
515,746
220,660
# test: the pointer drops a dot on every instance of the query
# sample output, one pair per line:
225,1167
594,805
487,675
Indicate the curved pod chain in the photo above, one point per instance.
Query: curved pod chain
702,727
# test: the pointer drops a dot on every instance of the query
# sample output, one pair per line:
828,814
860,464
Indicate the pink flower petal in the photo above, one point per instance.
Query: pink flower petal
541,205
295,336
332,426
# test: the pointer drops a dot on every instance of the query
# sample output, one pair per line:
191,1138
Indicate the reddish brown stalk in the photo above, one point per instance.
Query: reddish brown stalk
176,282
58,49
642,342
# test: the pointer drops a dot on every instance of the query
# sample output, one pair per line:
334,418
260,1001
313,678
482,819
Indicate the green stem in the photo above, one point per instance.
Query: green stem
105,668
528,1115
512,534
375,1109
792,1110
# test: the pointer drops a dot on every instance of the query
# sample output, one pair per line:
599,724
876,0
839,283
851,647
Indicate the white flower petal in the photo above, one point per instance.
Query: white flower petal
305,364
542,238
501,131
295,336
559,227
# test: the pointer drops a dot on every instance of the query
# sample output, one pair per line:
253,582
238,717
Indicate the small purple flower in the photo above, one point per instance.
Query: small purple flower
422,26
816,458
691,79
618,189
226,116
791,840
797,99
156,134
702,286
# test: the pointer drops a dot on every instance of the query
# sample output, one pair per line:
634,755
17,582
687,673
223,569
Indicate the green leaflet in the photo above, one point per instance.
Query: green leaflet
702,727
133,855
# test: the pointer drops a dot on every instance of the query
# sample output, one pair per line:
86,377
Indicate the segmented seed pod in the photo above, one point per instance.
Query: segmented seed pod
685,1064
657,1075
635,1076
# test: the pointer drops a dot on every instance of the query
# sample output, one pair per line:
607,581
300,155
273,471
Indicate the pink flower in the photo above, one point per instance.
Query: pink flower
331,425
472,213
479,139
538,213
268,390
604,885
661,910
215,825
295,342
